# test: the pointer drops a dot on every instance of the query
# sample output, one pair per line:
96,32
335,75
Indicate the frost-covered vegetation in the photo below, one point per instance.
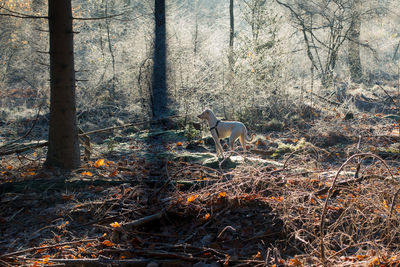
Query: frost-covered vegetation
266,75
317,81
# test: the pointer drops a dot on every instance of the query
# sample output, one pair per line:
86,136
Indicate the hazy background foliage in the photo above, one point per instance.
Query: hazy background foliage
269,78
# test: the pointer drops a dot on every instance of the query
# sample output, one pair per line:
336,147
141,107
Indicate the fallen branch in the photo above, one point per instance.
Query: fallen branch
127,125
390,97
102,261
12,148
19,148
325,99
45,247
142,221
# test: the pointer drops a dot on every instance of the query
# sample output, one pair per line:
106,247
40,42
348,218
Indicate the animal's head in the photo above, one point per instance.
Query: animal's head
205,115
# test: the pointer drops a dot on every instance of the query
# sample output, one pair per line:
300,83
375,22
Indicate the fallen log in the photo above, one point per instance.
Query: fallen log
13,148
142,221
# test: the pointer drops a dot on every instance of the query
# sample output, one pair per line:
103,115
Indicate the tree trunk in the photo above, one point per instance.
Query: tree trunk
63,149
159,90
231,35
354,47
232,24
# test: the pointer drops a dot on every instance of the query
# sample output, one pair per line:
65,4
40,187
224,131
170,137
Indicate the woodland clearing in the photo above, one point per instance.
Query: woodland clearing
155,194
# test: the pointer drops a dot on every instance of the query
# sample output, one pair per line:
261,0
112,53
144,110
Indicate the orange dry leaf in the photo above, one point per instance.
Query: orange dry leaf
258,255
221,194
99,163
46,259
9,167
361,257
42,249
295,262
27,173
278,199
385,203
63,225
192,198
227,258
108,243
374,262
114,173
86,173
68,197
115,225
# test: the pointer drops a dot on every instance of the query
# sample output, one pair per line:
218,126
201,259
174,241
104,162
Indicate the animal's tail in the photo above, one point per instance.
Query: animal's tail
251,138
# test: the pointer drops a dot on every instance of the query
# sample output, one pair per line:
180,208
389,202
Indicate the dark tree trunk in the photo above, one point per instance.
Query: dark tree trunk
63,149
232,24
159,90
354,46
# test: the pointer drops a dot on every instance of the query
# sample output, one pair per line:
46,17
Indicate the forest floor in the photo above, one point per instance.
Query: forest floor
322,193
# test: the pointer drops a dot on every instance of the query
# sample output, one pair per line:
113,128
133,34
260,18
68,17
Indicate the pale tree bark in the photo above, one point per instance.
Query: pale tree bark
354,43
63,148
231,34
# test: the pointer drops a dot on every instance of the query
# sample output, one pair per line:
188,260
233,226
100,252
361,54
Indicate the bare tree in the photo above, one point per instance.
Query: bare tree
324,25
63,149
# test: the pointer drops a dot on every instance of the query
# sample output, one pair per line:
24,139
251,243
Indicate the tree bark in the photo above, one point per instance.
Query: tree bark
354,46
159,90
231,36
232,24
63,149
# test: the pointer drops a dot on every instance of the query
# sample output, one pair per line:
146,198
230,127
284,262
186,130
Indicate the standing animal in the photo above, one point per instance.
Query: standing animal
222,129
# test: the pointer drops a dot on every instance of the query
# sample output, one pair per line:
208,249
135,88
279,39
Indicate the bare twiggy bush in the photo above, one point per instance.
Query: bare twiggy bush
360,212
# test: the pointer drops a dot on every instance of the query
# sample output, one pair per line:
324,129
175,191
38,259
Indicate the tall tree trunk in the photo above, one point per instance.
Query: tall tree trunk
354,47
63,149
231,35
159,90
232,24
196,35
